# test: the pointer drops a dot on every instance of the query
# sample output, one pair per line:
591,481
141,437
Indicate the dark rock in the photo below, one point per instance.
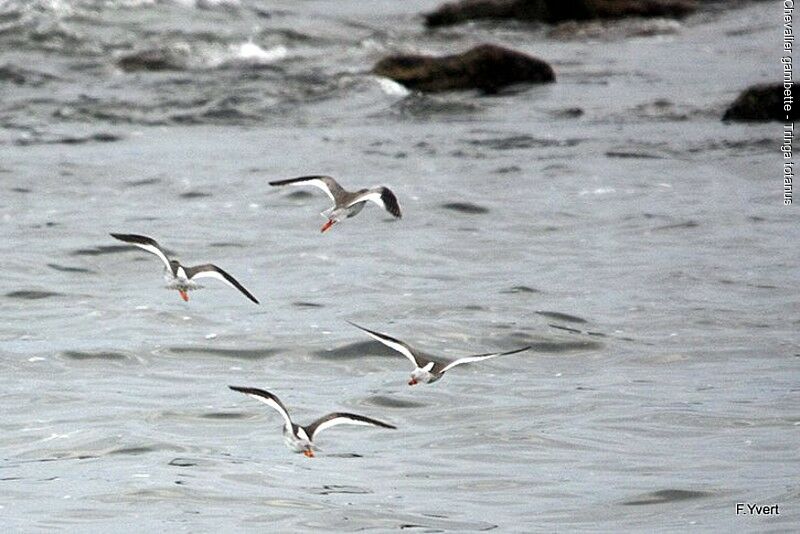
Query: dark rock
553,11
158,59
485,67
761,103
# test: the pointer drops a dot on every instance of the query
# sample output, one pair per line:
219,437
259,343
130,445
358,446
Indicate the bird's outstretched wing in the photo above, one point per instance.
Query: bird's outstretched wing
326,183
146,243
479,357
209,270
383,197
339,418
267,398
400,346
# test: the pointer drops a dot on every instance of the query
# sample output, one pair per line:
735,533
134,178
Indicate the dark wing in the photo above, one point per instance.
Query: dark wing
326,183
212,271
479,357
340,418
267,398
401,347
146,243
383,197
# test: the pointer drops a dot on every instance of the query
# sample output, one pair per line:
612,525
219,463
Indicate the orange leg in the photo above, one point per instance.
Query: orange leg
184,295
308,453
327,225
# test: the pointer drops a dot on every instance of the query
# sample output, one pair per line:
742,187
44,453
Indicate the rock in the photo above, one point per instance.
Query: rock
157,59
553,11
485,67
760,103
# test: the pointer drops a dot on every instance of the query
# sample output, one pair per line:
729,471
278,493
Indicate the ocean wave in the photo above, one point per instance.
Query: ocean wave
198,56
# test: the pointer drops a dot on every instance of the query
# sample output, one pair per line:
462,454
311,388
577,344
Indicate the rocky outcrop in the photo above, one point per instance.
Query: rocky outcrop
156,59
487,67
553,11
761,103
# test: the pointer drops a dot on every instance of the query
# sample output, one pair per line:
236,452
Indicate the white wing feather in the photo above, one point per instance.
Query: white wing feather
399,346
371,196
273,404
339,421
469,359
154,250
316,182
215,275
479,357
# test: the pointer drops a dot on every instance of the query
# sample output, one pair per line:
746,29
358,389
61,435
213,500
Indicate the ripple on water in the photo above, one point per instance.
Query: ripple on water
195,194
522,141
299,195
225,415
577,331
99,355
666,496
32,294
240,354
554,346
356,350
520,289
562,316
68,269
677,226
301,304
385,401
330,489
465,207
102,249
142,182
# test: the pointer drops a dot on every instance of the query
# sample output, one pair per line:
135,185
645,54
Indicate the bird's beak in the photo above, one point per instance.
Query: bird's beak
412,381
327,225
184,295
308,453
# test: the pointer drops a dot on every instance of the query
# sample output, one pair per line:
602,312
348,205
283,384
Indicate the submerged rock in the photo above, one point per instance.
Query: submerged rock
157,59
553,11
761,103
486,67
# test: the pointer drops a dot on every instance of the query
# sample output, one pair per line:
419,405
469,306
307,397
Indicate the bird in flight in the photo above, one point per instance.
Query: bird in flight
346,204
425,369
301,438
181,277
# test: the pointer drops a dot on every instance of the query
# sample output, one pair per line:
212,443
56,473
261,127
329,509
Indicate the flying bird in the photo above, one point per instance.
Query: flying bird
301,438
425,369
346,204
179,276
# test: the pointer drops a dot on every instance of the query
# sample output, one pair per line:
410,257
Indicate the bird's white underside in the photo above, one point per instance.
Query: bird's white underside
276,406
399,347
316,182
339,421
215,275
371,196
157,251
470,359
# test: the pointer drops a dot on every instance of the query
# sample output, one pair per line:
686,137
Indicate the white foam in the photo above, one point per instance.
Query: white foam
251,52
391,87
598,191
208,4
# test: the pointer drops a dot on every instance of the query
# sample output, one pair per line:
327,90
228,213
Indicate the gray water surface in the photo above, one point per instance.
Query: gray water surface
641,249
